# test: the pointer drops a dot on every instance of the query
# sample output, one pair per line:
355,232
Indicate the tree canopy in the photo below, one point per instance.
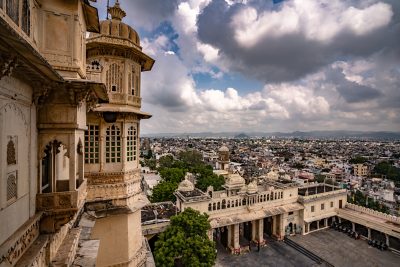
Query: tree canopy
163,191
185,242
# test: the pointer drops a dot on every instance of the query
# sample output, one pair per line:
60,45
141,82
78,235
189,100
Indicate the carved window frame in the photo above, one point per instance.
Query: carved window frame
114,78
131,143
92,144
113,144
12,150
11,187
132,88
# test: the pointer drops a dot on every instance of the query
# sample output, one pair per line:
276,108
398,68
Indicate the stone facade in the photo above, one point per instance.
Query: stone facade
51,83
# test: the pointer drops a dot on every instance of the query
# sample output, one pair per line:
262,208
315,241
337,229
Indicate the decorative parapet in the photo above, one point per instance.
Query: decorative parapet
375,213
15,246
62,200
315,197
113,191
118,98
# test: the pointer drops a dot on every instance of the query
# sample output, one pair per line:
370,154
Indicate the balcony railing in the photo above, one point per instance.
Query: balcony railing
62,200
118,98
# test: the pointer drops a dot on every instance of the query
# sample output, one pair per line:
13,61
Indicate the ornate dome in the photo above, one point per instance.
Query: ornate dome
185,186
243,189
252,187
116,28
235,180
223,149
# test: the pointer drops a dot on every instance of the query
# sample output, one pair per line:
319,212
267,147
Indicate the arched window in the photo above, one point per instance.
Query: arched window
223,204
275,195
244,202
113,144
267,197
131,143
236,203
92,144
281,194
214,206
218,206
209,207
229,204
272,195
114,78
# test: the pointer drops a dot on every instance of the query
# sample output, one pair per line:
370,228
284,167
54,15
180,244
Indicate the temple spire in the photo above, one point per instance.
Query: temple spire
116,11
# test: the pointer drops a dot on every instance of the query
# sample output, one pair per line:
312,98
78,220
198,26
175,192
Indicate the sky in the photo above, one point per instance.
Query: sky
268,65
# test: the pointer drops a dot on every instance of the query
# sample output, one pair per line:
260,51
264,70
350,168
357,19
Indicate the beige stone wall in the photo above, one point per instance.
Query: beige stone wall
62,31
17,123
116,233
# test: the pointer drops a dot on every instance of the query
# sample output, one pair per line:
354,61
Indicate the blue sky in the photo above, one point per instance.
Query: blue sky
258,65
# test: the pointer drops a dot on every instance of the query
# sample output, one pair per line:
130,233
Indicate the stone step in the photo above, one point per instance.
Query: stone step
66,253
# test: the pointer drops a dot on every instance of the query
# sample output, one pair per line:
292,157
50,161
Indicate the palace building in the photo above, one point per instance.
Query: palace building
69,136
273,208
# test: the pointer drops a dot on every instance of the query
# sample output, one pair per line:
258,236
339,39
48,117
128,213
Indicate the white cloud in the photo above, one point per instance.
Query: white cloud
317,20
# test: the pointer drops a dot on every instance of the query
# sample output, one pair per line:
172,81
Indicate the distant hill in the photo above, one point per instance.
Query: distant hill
241,136
379,135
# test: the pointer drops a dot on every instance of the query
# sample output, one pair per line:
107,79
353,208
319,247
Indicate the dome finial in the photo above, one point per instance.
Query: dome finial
116,11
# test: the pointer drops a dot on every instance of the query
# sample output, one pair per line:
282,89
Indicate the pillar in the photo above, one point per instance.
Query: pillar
353,227
254,230
72,162
369,233
387,240
230,236
210,234
260,231
236,244
340,220
326,222
318,225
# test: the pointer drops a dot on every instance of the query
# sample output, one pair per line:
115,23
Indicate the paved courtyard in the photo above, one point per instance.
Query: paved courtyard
274,254
336,248
342,251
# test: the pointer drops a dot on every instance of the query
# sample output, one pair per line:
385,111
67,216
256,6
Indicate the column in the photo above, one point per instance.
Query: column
230,236
353,227
236,244
340,220
387,240
317,224
260,232
210,234
253,230
123,145
72,162
326,222
274,231
369,233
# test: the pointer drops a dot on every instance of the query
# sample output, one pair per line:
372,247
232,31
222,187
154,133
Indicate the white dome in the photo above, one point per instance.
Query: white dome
252,187
235,180
223,149
185,186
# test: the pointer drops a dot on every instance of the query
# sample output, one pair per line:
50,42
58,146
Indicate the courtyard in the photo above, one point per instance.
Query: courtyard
334,247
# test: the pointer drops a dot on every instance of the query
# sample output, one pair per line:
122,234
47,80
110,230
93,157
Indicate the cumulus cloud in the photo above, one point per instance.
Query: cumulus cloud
295,39
324,64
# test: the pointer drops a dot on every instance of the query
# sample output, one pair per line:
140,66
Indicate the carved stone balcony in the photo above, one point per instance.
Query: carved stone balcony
118,98
62,201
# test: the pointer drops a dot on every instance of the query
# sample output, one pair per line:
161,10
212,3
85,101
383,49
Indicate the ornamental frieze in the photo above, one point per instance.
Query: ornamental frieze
19,247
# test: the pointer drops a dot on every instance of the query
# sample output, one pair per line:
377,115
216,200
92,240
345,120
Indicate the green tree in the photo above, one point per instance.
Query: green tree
217,181
357,160
164,191
151,163
387,169
175,175
166,161
191,158
185,242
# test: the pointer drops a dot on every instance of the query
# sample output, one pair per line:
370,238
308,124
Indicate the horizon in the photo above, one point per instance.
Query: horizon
275,68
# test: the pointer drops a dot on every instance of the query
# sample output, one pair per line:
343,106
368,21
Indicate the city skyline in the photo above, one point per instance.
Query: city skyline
269,65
